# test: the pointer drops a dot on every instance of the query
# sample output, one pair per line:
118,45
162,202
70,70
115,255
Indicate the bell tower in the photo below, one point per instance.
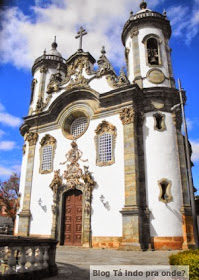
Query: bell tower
48,72
146,37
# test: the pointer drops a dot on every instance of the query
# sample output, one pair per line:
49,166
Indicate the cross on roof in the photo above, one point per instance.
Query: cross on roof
80,34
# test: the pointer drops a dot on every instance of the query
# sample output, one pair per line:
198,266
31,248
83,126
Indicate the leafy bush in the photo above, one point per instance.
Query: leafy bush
190,258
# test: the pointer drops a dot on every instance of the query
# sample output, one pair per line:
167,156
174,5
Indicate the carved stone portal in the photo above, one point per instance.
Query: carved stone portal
72,178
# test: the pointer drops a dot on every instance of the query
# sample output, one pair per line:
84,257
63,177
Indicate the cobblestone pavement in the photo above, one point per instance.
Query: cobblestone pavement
74,263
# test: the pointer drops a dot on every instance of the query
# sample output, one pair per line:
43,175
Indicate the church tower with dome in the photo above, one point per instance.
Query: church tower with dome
103,157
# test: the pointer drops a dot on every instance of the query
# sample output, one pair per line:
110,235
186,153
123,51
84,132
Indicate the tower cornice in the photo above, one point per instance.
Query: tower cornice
146,18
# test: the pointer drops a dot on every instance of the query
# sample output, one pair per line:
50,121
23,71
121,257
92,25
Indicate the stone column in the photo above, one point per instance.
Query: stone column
187,219
131,212
136,59
25,214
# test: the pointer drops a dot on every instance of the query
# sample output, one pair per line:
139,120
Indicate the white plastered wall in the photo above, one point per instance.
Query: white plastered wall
110,182
161,161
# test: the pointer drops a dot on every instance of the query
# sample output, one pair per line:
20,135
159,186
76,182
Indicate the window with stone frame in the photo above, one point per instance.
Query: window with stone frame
152,46
159,122
165,190
47,152
105,143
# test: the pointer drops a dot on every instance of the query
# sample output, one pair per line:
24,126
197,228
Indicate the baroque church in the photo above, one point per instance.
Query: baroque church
103,156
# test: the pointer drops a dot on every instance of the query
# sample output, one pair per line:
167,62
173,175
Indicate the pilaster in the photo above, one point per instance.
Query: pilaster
187,219
136,59
131,213
25,214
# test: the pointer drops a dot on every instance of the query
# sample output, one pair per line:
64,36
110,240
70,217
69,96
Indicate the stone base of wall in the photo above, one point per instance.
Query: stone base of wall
167,243
106,242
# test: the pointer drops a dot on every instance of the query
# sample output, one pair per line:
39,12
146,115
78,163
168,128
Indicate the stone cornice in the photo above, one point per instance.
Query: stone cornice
148,18
107,103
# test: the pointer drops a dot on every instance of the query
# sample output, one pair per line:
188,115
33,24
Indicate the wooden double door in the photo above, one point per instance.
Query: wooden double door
73,218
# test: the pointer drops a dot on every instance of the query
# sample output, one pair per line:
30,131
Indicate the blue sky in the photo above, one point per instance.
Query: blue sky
28,27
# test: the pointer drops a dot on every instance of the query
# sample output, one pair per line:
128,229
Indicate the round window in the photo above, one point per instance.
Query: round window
75,125
78,126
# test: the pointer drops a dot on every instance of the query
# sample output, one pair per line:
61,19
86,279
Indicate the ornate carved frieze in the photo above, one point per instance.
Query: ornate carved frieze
127,115
73,172
42,105
88,188
56,182
78,81
43,69
104,127
31,137
120,81
48,140
54,83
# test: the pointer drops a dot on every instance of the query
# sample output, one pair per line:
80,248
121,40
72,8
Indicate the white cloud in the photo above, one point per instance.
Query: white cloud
1,133
24,38
184,21
7,145
8,119
195,149
5,172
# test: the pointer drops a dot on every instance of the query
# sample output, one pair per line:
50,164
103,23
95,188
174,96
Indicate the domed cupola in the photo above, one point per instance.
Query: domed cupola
54,51
146,37
50,59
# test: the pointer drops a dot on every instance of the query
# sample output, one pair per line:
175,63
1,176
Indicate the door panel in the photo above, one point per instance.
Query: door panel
73,218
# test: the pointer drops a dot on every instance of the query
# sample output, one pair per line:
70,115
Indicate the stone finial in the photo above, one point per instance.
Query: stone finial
103,52
131,14
54,44
143,5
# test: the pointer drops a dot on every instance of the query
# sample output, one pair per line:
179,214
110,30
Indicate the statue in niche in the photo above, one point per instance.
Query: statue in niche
56,182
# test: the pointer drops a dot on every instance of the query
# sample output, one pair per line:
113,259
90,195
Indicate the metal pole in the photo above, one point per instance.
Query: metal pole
190,180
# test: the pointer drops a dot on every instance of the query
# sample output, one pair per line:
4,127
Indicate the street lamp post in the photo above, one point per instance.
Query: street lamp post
190,180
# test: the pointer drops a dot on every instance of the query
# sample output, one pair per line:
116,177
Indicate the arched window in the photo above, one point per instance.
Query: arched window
165,190
153,51
152,48
159,122
47,152
105,143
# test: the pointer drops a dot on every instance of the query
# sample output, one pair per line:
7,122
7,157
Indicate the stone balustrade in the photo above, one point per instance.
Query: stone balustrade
27,257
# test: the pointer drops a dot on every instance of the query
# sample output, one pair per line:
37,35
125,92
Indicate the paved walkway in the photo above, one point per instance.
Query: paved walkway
74,263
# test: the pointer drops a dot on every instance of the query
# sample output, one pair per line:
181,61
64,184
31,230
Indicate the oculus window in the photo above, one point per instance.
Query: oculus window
78,126
75,125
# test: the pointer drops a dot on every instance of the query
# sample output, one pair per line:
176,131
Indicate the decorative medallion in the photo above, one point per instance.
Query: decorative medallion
155,76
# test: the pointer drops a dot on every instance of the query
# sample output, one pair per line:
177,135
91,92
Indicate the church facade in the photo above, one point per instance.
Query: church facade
103,160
